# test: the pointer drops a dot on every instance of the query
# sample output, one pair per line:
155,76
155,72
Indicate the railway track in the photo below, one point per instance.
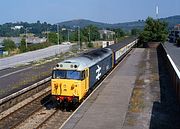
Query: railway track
20,114
45,119
36,111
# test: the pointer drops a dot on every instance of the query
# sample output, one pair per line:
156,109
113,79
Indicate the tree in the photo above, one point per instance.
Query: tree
22,46
135,32
9,45
52,37
119,33
154,31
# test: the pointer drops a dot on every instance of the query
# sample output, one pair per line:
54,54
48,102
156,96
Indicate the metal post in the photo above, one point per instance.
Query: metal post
79,38
58,33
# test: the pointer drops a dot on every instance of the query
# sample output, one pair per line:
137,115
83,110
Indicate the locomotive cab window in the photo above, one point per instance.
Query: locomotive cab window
59,74
68,74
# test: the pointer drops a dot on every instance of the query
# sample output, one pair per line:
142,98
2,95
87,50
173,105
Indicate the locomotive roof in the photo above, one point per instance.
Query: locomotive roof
123,43
85,60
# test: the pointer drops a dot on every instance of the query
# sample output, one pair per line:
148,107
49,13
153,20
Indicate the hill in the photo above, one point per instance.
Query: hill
173,20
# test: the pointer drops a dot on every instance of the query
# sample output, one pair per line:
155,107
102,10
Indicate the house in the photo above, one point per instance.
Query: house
35,40
106,34
174,34
177,27
29,39
16,27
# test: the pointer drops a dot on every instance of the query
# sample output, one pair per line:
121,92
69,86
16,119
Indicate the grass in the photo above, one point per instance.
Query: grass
137,102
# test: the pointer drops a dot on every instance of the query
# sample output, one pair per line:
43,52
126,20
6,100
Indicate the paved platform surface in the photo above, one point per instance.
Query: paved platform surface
137,95
174,52
32,56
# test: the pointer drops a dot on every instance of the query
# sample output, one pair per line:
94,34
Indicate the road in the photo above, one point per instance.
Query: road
32,56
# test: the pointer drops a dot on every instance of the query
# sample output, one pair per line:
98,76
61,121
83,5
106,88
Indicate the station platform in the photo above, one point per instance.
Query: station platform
130,97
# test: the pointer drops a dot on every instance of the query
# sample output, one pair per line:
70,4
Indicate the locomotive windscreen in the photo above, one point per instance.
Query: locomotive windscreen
68,74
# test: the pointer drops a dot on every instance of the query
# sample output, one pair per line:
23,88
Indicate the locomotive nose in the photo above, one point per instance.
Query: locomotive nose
65,88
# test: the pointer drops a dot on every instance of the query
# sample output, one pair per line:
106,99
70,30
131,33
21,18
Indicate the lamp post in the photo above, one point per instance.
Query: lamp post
26,30
79,36
68,34
58,34
67,30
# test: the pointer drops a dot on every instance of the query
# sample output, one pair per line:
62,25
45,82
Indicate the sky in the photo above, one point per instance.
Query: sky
107,11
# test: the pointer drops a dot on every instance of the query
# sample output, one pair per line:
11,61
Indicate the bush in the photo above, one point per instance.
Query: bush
22,46
9,45
33,47
90,45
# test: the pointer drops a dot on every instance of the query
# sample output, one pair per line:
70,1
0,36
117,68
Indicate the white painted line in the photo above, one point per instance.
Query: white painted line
93,92
174,66
15,72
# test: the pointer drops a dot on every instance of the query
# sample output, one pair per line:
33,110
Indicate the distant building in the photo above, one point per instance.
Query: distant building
177,27
30,40
16,27
35,40
16,40
174,34
106,34
102,44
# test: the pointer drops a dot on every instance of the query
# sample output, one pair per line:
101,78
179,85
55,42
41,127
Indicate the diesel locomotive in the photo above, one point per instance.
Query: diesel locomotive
74,77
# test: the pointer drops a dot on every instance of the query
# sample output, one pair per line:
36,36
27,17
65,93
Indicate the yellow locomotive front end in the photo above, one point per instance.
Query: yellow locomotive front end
68,83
